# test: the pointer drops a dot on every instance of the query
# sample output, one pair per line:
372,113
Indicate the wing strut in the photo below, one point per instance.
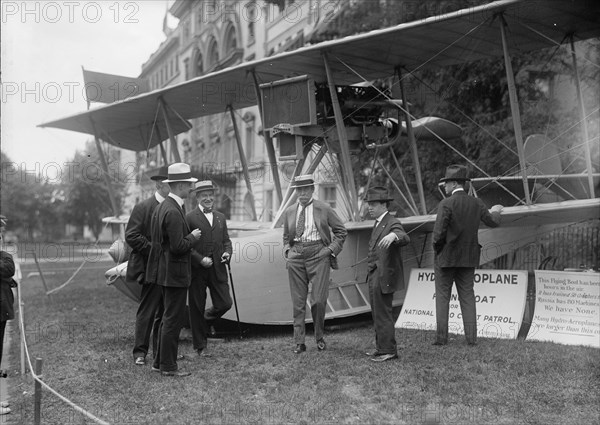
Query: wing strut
347,173
174,150
163,151
111,193
586,140
514,108
243,161
268,141
413,144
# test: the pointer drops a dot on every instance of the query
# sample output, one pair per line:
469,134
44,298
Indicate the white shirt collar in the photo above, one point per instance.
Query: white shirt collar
177,199
378,219
159,197
458,189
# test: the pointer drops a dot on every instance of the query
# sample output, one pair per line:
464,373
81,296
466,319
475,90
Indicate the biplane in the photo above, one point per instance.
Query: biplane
336,111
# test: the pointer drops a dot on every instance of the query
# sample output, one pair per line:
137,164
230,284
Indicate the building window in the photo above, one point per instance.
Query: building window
268,212
213,53
329,194
199,64
230,39
186,68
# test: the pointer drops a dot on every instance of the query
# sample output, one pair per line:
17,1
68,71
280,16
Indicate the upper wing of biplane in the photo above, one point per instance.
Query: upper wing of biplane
471,34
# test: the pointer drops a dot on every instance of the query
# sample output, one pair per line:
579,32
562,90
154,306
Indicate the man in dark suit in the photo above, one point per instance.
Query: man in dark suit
457,251
385,272
137,235
209,255
310,251
169,265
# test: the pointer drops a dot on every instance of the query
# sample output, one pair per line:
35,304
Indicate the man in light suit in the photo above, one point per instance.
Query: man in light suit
169,265
137,236
209,255
310,251
385,271
457,251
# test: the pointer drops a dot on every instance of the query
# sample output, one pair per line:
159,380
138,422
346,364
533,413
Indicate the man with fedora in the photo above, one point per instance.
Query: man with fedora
209,255
385,271
169,265
310,250
457,251
137,236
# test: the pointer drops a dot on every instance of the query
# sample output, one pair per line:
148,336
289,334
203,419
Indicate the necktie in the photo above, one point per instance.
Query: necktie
207,210
375,225
183,209
301,220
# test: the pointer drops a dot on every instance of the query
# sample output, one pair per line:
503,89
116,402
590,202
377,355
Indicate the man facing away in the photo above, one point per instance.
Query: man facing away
209,255
457,251
310,251
385,272
137,236
169,265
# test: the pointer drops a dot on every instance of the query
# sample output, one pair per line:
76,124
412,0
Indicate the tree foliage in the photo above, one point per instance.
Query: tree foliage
87,193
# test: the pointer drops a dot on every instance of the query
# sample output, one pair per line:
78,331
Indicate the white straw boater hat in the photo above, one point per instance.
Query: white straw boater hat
203,185
302,181
180,172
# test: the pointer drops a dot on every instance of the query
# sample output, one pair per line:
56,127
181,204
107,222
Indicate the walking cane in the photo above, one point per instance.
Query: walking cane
237,314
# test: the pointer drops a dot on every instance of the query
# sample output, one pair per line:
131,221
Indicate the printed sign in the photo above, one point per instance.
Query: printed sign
499,295
567,308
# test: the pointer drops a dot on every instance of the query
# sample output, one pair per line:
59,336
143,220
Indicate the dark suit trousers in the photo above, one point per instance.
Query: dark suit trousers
305,266
147,320
383,317
463,277
203,278
174,299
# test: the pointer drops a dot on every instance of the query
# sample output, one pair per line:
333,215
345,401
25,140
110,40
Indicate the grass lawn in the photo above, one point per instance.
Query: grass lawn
84,335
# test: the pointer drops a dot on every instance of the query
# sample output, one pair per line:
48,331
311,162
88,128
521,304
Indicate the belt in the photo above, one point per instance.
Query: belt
310,243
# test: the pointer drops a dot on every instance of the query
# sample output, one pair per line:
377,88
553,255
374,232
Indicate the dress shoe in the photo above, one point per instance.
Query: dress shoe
175,373
140,361
300,348
155,369
383,357
3,374
321,346
471,344
439,343
180,357
199,353
4,410
372,352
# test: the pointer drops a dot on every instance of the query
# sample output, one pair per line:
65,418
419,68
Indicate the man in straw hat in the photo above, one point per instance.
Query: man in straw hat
310,250
169,265
209,256
385,272
457,251
137,235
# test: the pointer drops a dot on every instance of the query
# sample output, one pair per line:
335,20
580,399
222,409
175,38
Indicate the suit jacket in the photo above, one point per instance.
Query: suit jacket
137,236
169,263
213,242
7,298
385,265
326,221
455,234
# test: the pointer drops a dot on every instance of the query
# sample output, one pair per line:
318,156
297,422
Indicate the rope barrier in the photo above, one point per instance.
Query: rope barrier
37,377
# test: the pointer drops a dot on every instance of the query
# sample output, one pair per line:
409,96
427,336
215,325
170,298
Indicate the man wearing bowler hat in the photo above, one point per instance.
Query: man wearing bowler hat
310,250
385,271
457,251
169,265
209,255
137,236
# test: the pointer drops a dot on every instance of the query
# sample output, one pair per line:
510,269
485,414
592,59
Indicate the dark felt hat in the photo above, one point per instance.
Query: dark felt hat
457,173
378,194
160,174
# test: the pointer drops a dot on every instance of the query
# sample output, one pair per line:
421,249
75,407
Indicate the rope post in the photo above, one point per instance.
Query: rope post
37,393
